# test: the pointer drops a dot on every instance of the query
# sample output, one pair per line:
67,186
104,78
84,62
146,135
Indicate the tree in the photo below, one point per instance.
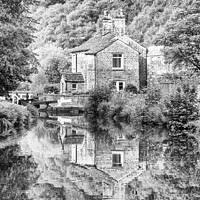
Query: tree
181,37
54,68
38,82
182,108
16,61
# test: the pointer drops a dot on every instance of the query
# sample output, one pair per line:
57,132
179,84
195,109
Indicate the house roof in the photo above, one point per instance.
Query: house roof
100,42
73,77
96,44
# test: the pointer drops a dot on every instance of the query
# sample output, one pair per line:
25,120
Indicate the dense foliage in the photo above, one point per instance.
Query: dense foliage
15,117
63,25
182,108
17,173
16,61
181,37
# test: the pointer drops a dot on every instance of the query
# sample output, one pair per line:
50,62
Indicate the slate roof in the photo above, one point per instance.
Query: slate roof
73,77
96,44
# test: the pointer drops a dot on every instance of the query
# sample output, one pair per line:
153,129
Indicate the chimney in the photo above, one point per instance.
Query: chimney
119,24
107,24
114,25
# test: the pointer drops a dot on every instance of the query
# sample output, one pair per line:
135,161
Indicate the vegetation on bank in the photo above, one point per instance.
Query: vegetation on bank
149,107
16,116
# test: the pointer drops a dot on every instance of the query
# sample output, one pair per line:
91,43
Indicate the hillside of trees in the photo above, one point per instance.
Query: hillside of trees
63,24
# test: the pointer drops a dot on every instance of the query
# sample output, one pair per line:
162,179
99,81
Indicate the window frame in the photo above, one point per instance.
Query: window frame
121,153
118,57
117,85
74,132
74,88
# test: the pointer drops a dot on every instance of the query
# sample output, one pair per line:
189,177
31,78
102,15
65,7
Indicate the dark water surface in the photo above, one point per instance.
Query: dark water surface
63,158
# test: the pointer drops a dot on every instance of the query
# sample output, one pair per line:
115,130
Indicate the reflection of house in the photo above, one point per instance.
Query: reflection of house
108,57
119,159
75,136
101,170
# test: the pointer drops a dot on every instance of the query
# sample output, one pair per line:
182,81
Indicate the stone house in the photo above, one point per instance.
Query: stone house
162,72
108,57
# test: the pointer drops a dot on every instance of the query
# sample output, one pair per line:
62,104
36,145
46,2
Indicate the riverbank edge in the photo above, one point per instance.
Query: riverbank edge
17,116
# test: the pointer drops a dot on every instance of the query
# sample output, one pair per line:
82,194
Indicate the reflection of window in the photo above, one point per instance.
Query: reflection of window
117,158
73,132
120,85
74,86
121,137
117,61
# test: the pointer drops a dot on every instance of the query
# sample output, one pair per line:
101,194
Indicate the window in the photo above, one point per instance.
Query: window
117,61
74,86
73,132
121,137
120,85
117,158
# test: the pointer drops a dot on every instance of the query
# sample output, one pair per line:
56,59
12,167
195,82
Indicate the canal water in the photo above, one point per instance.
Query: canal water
67,158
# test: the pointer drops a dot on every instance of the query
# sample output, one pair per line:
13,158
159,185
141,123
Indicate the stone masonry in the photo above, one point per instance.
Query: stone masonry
130,73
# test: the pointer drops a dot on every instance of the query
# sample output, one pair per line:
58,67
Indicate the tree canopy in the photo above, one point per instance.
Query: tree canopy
17,62
181,37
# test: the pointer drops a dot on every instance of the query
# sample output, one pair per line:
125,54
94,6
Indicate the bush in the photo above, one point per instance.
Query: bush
182,108
12,115
33,111
51,89
131,88
96,96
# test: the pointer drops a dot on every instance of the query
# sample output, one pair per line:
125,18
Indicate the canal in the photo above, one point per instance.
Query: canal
67,158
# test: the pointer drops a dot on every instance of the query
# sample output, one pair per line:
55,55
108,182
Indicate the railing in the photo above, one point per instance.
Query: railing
15,98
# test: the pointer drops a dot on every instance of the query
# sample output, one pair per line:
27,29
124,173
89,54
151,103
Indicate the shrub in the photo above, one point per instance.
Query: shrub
131,88
51,89
98,95
33,111
12,115
181,108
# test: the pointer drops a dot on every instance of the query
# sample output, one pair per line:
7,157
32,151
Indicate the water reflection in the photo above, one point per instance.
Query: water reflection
64,158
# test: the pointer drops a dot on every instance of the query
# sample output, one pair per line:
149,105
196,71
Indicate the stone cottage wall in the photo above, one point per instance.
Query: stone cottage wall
90,72
85,65
104,63
131,157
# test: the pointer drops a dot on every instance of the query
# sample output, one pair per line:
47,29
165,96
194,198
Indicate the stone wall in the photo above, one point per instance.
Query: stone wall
80,86
130,73
74,99
90,72
131,157
85,65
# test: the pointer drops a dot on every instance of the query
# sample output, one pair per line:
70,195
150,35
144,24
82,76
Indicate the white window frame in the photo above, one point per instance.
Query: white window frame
73,63
74,84
121,153
118,57
117,85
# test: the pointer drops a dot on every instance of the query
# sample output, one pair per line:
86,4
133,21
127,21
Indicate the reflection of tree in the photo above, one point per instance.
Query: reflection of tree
183,150
49,132
48,191
17,173
181,168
